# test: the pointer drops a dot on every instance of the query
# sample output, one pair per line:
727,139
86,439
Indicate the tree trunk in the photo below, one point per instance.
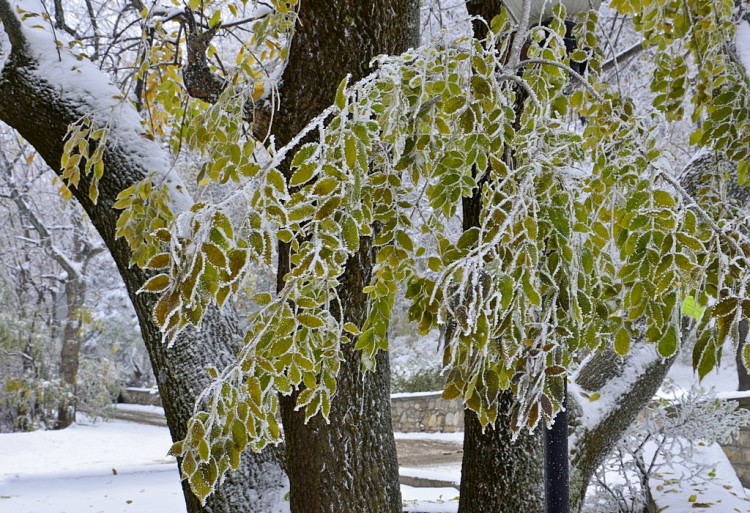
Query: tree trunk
349,464
499,475
41,110
75,292
743,376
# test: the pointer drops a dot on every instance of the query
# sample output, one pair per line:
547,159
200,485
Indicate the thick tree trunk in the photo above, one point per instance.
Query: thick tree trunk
630,382
499,475
41,112
350,463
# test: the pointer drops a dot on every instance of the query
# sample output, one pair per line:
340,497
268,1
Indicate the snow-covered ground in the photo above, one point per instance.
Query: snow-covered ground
120,466
116,466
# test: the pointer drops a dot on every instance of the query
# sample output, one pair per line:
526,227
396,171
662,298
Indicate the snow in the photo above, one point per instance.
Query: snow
676,491
416,394
430,500
83,449
77,472
439,437
743,44
147,408
448,474
594,411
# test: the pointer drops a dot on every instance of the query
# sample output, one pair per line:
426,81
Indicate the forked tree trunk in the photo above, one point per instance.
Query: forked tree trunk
498,475
41,110
349,464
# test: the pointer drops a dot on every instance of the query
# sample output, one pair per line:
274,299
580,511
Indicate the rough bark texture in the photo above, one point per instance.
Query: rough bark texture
497,474
41,114
350,464
743,376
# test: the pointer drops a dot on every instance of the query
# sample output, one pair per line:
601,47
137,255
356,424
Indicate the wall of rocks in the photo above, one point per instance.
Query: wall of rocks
738,450
427,412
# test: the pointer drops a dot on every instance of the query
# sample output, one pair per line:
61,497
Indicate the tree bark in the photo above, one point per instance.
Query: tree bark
349,464
41,112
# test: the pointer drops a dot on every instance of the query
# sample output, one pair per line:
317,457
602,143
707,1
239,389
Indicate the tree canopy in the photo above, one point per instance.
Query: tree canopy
585,240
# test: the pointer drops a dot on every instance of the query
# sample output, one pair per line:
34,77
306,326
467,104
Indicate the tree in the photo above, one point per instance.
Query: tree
543,274
29,85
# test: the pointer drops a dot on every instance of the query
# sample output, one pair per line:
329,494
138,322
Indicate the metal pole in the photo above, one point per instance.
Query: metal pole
556,480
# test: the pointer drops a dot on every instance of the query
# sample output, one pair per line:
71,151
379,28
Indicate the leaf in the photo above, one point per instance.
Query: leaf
159,261
340,100
158,283
310,320
667,346
303,174
350,151
622,341
350,234
352,329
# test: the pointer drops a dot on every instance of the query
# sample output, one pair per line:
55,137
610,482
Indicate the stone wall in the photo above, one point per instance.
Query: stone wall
738,450
137,395
426,411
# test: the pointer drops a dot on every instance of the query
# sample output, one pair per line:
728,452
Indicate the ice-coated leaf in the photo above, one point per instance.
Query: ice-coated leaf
622,341
310,321
667,345
303,174
158,283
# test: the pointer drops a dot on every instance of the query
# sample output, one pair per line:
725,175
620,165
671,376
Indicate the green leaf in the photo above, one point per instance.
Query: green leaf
352,329
310,321
340,101
304,154
622,341
303,174
667,346
350,234
350,151
691,308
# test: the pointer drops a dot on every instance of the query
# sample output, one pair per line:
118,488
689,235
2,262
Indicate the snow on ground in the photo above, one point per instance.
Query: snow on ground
436,437
430,500
119,466
715,489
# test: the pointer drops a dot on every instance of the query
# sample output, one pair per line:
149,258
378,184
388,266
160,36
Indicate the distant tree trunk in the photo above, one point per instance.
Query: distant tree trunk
75,292
349,465
743,376
41,112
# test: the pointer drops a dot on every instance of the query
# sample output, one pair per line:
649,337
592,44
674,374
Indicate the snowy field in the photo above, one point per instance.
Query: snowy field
117,466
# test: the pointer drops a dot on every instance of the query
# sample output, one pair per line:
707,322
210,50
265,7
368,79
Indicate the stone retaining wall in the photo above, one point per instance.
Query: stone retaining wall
135,395
426,411
738,450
